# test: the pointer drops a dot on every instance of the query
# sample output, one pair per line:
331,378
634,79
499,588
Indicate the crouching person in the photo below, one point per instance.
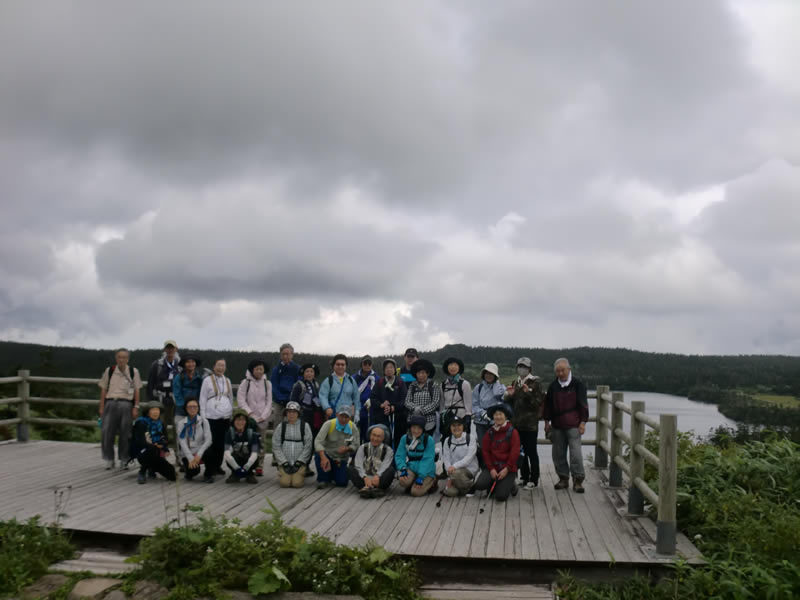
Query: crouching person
459,458
292,447
500,448
335,443
415,459
151,444
241,449
194,440
372,470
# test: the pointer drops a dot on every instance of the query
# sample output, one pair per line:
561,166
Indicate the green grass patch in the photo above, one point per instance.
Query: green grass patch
779,400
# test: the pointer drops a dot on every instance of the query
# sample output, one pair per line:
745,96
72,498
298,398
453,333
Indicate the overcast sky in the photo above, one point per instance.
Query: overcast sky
366,176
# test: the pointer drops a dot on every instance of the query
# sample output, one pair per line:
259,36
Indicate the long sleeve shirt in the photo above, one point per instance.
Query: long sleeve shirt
216,402
330,439
484,396
295,446
185,387
255,397
421,459
458,403
460,453
196,442
336,392
424,399
366,464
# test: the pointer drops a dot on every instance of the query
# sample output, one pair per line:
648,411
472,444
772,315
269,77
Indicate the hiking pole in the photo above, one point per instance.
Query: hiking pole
441,494
485,500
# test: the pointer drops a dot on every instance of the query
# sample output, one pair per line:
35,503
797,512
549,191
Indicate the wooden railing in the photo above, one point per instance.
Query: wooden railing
610,455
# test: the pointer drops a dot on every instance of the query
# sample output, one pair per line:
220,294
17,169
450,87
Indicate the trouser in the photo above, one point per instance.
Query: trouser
278,411
294,480
529,462
117,421
481,430
563,439
168,414
400,426
364,422
180,413
217,450
151,460
337,474
384,480
503,488
416,491
315,418
459,482
196,471
239,462
262,436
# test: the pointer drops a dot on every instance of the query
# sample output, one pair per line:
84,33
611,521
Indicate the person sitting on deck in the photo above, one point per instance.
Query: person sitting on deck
424,396
292,445
255,398
372,470
500,450
241,448
151,444
194,440
415,459
459,458
335,442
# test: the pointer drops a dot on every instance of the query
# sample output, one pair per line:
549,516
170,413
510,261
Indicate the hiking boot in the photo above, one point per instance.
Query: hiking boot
378,492
322,485
514,490
251,478
260,472
188,477
109,465
577,485
142,478
232,479
182,469
310,473
562,484
123,466
366,492
530,485
220,471
208,479
151,474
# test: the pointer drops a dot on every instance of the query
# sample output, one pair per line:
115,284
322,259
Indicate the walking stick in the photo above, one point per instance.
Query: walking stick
485,500
441,494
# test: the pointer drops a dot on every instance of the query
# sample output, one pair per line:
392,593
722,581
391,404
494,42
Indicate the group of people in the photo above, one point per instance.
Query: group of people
368,429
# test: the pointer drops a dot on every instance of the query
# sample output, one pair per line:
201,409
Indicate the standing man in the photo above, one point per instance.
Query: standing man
365,378
119,405
411,355
566,412
283,377
159,381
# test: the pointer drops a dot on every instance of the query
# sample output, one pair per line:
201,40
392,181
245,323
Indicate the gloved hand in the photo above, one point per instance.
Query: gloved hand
404,473
285,466
297,466
241,473
418,481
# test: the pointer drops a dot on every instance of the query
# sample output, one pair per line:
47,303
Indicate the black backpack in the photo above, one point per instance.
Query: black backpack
302,432
450,440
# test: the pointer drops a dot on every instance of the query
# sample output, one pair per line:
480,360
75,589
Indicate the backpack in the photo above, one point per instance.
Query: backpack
111,372
450,440
251,434
444,419
302,432
350,377
247,386
428,386
505,438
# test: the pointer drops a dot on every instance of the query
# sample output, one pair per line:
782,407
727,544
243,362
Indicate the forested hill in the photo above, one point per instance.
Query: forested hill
620,368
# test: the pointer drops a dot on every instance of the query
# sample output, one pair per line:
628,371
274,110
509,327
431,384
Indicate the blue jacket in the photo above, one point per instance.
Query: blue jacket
484,396
283,378
421,460
183,388
329,393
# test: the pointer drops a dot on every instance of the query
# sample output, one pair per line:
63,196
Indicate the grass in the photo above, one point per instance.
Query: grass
779,400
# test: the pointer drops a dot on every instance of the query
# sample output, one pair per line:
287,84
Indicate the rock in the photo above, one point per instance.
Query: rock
148,590
44,587
116,595
93,589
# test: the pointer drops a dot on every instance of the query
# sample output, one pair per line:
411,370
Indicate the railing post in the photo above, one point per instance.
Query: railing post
666,526
635,496
23,408
600,455
614,472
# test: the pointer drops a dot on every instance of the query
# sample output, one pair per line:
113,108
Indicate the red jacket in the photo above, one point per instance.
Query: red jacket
501,448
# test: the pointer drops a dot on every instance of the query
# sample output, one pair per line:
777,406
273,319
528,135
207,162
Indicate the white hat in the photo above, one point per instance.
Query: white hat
491,368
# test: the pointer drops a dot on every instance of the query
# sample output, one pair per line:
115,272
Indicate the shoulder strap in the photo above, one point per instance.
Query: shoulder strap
302,431
383,452
330,380
331,426
461,388
283,432
214,383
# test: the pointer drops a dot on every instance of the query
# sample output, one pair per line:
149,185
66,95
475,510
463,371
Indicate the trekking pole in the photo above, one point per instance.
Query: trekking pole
391,427
441,494
485,500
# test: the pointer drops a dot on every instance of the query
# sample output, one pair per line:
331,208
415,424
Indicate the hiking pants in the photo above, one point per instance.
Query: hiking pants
217,450
503,488
151,460
117,421
409,487
384,481
564,439
295,480
196,471
460,482
481,430
240,460
262,438
337,474
529,462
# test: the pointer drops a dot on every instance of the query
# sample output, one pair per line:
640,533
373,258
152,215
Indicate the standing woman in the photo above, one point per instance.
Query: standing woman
306,393
216,405
488,393
424,396
339,390
456,396
387,403
255,398
526,398
186,384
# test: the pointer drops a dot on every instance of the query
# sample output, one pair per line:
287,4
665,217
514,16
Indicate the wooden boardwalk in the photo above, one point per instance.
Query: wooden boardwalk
541,525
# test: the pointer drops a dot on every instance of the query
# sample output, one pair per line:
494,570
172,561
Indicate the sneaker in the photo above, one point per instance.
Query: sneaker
151,474
219,471
188,477
123,466
109,465
530,485
577,486
182,469
378,492
514,490
260,472
562,484
469,494
142,478
208,479
310,473
322,485
232,479
251,478
366,492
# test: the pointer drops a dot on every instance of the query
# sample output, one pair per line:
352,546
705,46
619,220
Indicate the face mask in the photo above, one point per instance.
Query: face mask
522,371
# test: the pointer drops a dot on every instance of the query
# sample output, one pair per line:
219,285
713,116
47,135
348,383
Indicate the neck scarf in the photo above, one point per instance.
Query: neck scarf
155,430
189,428
414,441
454,378
390,383
345,429
564,384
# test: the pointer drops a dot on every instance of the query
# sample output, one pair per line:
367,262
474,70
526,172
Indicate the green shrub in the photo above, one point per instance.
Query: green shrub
26,551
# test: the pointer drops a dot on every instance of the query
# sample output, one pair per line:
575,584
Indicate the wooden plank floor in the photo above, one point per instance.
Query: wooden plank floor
537,525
